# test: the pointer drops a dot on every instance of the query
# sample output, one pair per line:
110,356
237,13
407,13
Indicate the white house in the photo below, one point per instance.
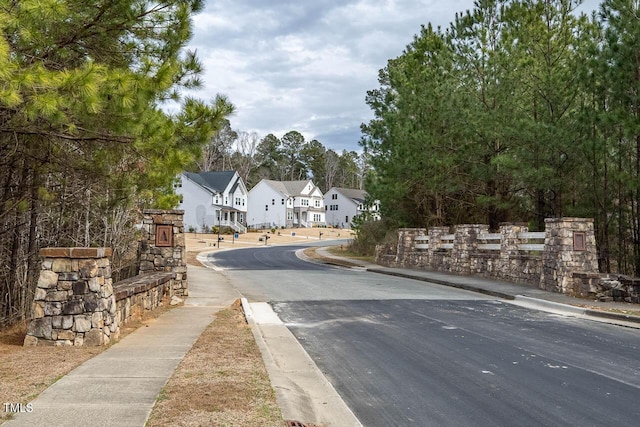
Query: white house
213,199
285,204
343,204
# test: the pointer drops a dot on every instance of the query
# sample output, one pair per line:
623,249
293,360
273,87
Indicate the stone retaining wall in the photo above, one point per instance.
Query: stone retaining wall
74,302
556,267
141,293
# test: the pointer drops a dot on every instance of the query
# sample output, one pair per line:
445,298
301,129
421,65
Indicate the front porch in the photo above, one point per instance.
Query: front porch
231,217
308,217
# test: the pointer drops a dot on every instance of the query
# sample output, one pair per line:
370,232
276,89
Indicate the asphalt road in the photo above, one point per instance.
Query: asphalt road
276,274
402,352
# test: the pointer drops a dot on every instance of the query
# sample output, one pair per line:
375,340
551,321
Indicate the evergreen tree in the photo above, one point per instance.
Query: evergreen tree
82,134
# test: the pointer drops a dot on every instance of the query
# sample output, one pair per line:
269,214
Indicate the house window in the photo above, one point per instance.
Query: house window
273,201
316,217
289,215
334,196
226,200
317,203
266,207
304,202
283,201
217,200
346,219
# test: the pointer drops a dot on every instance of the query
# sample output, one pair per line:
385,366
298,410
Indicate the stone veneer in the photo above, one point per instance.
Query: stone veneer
141,293
560,260
171,258
74,303
559,267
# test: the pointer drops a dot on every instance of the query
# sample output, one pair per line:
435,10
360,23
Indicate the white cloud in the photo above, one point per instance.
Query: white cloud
306,66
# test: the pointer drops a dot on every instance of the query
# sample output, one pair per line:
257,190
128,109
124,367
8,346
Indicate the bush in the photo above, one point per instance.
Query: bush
369,233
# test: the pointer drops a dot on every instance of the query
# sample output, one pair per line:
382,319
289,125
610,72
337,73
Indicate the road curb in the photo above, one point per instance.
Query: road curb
302,390
613,316
445,283
335,261
552,305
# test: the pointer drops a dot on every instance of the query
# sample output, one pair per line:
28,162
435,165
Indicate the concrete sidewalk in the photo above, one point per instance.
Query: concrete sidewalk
522,294
119,386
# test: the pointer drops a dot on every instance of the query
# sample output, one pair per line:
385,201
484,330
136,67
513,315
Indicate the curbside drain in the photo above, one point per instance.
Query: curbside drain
293,423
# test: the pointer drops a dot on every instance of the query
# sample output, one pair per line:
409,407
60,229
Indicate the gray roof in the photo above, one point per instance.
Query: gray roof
290,188
215,181
352,193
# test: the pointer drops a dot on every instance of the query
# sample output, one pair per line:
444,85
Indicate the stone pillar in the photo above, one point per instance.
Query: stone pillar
570,247
74,302
509,251
465,246
406,243
163,247
435,262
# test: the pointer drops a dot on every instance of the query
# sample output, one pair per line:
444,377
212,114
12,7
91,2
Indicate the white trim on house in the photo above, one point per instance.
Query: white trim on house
285,204
213,199
343,204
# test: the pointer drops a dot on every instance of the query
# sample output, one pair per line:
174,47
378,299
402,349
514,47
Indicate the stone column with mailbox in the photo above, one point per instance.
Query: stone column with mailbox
163,247
74,302
570,247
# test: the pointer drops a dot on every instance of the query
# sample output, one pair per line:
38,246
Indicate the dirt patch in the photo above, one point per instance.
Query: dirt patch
222,381
192,259
28,371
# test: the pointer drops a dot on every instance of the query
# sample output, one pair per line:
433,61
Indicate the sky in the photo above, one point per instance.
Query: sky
306,65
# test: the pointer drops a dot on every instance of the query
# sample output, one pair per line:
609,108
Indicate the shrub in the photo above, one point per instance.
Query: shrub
369,233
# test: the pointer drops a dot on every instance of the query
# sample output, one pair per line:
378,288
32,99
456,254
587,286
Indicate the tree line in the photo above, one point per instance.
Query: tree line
519,110
288,158
84,140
